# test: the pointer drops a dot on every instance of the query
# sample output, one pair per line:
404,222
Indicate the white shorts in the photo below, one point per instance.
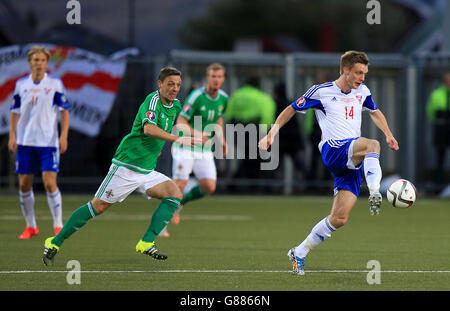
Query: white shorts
186,161
121,182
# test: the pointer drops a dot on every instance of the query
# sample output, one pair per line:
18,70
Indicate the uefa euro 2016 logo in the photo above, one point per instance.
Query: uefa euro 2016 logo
74,15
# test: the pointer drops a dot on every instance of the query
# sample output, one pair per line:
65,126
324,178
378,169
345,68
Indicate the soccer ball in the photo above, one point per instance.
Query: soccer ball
401,193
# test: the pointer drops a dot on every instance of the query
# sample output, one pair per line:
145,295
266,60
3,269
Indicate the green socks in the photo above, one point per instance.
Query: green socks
77,220
160,218
194,194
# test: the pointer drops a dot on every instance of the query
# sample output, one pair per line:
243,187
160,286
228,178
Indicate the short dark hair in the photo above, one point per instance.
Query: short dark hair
350,58
168,71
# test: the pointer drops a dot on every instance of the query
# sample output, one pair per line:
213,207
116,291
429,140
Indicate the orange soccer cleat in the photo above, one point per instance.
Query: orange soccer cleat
56,230
175,218
28,233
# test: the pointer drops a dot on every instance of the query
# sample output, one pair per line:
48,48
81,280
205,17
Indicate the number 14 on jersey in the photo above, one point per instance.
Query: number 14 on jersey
348,112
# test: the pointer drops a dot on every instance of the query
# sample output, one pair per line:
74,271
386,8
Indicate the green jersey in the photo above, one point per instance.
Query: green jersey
200,106
137,151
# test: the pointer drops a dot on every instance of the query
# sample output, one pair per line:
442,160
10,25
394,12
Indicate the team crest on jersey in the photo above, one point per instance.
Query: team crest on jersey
47,90
109,193
187,108
301,102
359,97
150,115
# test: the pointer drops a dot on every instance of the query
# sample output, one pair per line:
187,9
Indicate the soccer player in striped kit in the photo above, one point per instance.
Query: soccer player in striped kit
338,106
38,99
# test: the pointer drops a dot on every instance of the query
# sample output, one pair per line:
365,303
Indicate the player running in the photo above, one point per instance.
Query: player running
338,106
37,102
204,107
133,167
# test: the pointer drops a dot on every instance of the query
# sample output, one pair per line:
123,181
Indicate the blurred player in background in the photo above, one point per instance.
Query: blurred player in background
204,107
133,167
438,112
38,99
338,106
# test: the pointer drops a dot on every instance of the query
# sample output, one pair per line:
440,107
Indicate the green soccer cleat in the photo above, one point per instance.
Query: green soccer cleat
150,249
50,250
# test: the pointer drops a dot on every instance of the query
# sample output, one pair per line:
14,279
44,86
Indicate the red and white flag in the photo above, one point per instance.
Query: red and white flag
91,82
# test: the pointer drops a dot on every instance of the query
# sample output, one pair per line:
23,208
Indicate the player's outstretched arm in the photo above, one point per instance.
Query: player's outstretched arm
380,121
157,133
282,119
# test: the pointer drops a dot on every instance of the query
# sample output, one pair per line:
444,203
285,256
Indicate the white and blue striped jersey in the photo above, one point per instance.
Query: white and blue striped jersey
338,113
38,105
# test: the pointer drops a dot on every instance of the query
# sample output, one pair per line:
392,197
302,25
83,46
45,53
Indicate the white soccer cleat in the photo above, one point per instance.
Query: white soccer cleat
297,263
375,200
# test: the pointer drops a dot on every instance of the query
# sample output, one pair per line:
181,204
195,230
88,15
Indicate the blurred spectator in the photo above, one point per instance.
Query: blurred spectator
438,111
292,143
249,105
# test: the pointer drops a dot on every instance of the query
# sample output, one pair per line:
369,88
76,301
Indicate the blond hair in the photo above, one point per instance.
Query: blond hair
38,49
350,58
215,66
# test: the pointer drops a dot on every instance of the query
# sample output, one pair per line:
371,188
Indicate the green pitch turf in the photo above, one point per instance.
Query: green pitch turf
227,243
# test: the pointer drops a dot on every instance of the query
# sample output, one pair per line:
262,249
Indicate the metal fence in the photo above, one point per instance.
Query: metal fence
400,87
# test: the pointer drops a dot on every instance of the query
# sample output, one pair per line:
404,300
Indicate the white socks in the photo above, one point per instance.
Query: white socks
372,171
321,231
55,205
27,206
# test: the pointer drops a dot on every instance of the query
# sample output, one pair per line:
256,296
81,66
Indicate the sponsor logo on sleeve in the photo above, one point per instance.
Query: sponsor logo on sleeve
301,102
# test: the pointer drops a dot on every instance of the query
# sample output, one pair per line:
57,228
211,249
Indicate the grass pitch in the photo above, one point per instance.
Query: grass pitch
232,243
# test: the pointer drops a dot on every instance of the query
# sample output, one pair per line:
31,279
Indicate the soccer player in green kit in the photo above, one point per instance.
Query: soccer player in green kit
202,111
133,167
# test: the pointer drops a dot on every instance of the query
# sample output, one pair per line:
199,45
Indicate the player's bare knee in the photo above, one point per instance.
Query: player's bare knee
50,187
173,193
177,195
338,222
99,205
25,188
208,188
181,183
373,146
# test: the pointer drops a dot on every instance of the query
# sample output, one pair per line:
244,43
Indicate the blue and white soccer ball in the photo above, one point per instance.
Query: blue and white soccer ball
401,193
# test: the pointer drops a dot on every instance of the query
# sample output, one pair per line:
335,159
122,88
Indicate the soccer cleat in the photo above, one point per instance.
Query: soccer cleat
50,250
176,215
28,233
164,233
56,230
175,219
297,263
375,200
150,249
